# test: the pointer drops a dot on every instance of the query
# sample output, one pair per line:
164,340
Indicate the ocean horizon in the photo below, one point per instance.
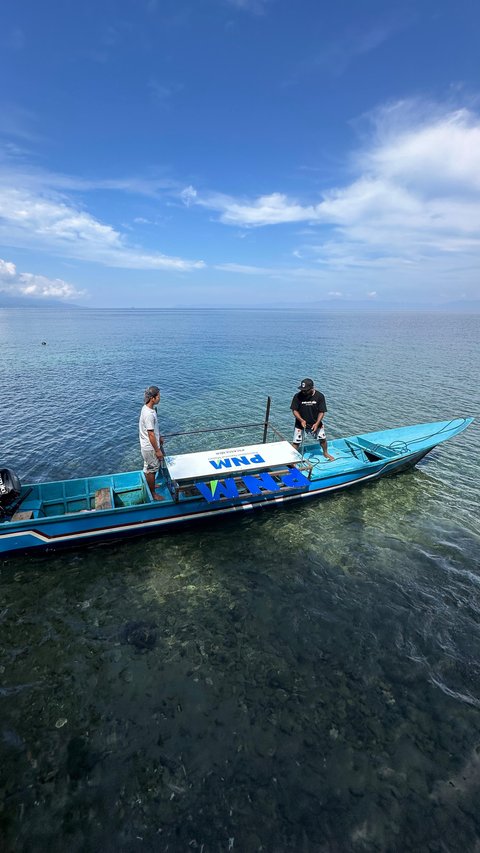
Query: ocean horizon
329,306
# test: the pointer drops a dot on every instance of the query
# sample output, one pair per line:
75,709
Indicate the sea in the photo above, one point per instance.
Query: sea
304,679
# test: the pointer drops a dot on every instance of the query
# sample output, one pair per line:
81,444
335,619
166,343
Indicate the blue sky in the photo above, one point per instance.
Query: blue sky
239,152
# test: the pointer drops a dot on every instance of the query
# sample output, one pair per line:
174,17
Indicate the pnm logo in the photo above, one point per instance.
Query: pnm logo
254,484
236,461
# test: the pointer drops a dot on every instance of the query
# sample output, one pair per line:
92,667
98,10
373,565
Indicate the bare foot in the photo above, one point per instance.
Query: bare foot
157,497
329,458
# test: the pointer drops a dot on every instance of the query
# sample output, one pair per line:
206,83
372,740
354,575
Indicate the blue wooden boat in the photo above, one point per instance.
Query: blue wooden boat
199,487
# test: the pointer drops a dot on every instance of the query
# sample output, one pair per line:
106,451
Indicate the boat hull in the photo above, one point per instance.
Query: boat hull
360,460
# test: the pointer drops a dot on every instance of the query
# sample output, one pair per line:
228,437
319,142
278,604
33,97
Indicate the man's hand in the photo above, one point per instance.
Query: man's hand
303,423
159,454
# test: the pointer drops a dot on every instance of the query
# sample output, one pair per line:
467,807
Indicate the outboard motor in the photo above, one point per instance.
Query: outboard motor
10,488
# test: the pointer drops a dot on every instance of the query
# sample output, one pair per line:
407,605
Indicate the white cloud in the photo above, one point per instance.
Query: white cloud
415,200
162,91
15,171
339,54
258,7
17,123
437,155
420,188
273,209
42,219
27,284
411,210
189,196
37,211
245,269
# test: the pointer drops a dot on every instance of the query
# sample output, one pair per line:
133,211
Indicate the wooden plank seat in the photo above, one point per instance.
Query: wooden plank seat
103,499
22,515
377,450
304,466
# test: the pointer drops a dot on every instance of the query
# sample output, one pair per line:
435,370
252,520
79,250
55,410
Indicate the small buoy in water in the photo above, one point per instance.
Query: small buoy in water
44,343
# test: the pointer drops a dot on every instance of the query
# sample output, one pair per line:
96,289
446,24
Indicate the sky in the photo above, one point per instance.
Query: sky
162,153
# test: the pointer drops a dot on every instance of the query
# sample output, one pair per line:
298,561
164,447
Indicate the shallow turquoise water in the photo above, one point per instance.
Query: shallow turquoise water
310,677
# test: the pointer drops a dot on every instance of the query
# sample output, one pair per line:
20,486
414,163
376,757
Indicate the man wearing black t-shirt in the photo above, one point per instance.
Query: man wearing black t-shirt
309,407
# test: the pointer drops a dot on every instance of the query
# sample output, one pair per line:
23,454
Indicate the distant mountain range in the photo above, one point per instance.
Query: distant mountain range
465,306
7,301
468,306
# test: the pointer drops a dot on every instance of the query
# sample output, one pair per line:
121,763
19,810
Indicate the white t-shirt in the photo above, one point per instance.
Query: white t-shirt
148,420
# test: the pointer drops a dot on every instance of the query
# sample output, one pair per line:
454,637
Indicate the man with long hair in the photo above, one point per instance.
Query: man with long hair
149,434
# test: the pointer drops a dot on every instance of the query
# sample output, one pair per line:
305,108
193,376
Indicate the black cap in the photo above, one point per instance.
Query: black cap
306,385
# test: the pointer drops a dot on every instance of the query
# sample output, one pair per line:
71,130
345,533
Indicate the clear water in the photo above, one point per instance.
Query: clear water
297,680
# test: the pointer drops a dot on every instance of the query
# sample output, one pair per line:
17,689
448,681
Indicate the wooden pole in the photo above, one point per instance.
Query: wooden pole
267,416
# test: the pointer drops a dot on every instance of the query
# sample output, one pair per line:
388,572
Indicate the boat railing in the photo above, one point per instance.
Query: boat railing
261,424
266,427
